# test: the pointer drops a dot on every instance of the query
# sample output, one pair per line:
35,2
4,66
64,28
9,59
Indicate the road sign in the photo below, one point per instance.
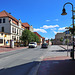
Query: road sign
67,32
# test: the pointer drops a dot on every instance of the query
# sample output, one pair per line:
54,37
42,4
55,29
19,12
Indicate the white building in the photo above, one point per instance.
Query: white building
10,25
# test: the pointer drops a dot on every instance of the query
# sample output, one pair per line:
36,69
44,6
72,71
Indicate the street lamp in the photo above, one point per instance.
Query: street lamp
64,13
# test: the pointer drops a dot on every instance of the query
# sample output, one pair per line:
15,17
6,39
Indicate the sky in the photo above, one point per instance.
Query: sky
44,15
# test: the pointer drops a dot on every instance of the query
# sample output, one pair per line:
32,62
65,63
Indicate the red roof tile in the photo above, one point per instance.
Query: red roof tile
37,34
25,24
43,37
5,14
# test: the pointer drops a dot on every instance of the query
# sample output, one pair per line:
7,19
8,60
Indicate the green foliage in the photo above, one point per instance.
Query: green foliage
51,39
28,36
61,39
67,41
71,29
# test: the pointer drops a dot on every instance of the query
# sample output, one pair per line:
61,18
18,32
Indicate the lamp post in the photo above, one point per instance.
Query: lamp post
64,13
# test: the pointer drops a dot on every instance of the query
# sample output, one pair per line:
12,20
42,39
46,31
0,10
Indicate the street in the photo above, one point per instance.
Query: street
20,62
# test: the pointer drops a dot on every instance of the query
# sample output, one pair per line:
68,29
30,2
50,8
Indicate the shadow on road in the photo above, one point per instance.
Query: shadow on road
61,50
23,69
57,67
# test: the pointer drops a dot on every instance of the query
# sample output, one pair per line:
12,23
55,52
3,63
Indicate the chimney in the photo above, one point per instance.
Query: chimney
9,13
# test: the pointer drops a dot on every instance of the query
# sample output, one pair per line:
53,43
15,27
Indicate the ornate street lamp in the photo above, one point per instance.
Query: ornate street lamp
64,13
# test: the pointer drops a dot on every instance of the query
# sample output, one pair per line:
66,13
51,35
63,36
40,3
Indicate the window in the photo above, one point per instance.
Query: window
1,40
20,32
17,38
1,33
0,20
13,29
14,38
3,20
17,31
8,41
2,29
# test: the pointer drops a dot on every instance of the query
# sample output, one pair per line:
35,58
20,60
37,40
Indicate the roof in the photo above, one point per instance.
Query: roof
25,24
6,14
43,37
37,34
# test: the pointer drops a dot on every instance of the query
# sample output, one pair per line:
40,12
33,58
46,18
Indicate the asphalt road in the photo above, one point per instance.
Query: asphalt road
20,62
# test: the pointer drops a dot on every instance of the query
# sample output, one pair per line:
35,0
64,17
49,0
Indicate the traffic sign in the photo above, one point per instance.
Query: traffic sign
67,32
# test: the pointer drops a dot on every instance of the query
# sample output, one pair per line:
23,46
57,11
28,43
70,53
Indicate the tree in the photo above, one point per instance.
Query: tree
28,36
51,39
67,41
61,39
36,38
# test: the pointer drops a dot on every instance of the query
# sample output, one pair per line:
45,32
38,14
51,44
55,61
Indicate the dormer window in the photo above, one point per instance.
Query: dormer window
0,20
3,20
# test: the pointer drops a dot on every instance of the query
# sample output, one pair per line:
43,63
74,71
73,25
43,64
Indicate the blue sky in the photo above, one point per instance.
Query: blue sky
44,15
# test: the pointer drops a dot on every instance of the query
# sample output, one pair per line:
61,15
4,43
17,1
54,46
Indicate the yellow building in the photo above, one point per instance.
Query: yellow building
4,39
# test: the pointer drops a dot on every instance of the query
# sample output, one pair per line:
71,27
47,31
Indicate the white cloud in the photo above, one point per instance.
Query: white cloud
63,29
50,26
54,31
47,20
46,38
56,19
40,30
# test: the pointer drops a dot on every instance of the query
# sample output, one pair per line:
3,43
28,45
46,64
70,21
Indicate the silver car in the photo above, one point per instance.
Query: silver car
32,44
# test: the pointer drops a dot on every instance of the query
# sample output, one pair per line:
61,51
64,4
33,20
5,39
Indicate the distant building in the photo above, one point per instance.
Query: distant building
58,37
40,37
48,41
43,40
63,35
27,26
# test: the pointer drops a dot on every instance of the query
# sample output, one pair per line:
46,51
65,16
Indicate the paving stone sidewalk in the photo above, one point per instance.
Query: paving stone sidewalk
57,66
7,48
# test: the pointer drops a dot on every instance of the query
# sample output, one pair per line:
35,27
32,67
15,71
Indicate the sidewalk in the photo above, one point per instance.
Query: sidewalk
7,48
57,66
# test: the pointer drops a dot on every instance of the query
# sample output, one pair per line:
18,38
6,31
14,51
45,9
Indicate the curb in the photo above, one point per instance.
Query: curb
62,47
35,69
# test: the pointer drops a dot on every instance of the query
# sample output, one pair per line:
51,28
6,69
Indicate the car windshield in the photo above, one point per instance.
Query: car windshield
32,43
44,44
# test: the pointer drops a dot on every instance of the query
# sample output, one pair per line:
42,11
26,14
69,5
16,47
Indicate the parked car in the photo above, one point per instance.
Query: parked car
32,44
44,45
70,44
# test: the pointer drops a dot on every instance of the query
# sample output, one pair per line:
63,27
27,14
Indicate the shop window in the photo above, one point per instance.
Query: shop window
8,41
1,40
2,34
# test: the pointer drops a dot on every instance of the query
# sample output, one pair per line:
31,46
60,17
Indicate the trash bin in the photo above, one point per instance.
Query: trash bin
71,53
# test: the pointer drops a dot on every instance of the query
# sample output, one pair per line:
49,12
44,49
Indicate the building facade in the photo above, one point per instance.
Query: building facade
27,26
4,39
10,25
64,36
